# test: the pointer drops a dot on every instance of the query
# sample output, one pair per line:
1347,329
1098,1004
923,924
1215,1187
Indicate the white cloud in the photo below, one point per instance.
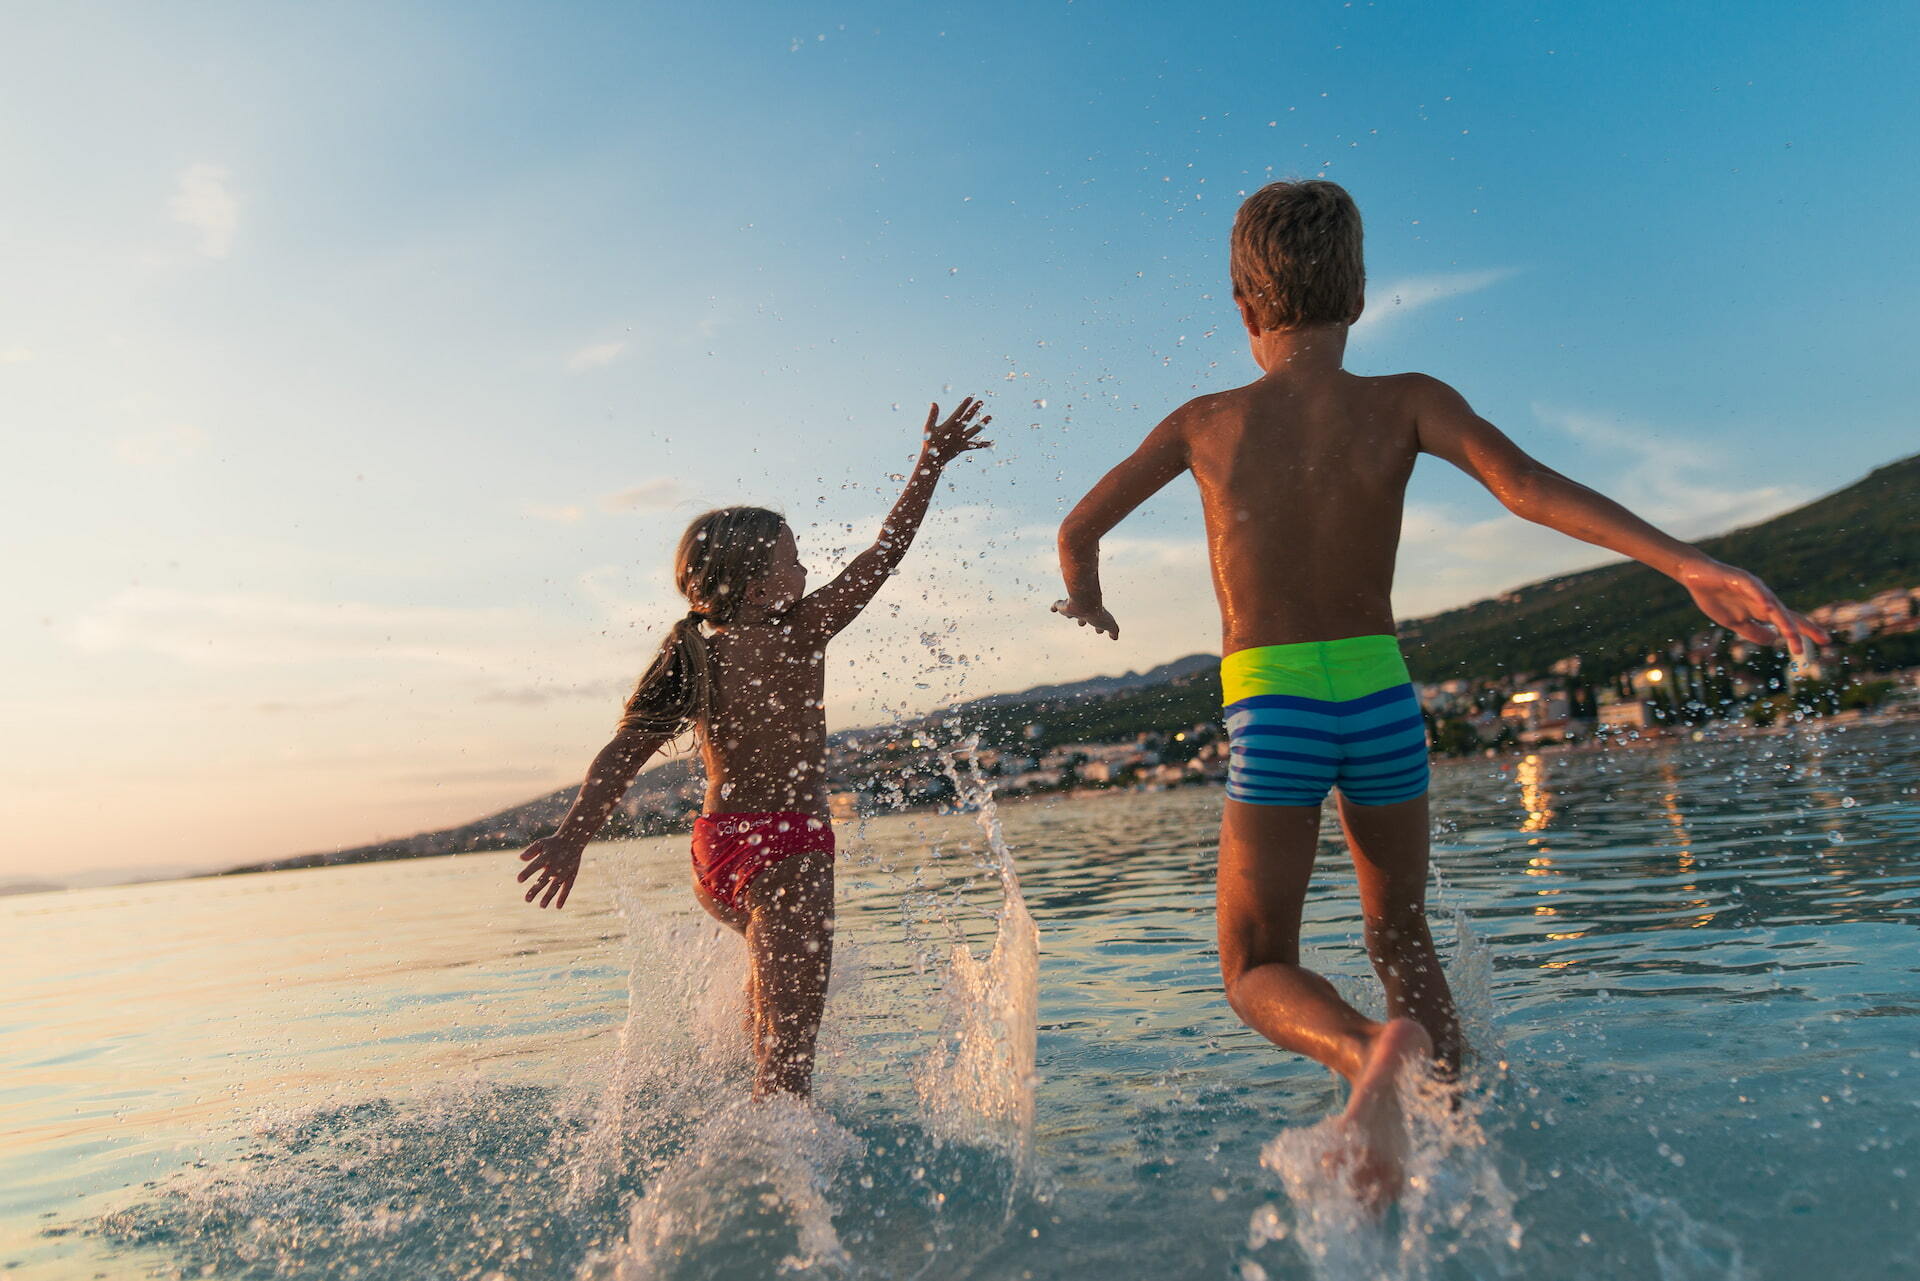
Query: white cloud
561,514
203,201
252,629
160,447
660,494
1393,302
599,354
1673,481
652,495
1447,560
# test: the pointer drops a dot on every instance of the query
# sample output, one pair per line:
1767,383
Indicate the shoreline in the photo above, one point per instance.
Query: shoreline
1639,740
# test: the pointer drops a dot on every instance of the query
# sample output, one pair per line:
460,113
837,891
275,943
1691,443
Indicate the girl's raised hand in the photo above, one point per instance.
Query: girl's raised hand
942,442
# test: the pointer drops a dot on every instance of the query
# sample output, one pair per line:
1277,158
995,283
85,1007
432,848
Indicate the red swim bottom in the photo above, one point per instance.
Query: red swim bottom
729,850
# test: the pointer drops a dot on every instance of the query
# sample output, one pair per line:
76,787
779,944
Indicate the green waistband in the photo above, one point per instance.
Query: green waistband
1334,671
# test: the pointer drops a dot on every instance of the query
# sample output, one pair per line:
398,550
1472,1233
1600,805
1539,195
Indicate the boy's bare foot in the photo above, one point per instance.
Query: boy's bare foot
1374,1116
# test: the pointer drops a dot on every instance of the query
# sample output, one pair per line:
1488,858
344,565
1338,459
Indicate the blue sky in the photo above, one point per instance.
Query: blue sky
359,364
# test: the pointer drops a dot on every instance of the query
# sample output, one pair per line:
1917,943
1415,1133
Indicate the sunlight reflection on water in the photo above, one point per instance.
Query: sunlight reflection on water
1697,970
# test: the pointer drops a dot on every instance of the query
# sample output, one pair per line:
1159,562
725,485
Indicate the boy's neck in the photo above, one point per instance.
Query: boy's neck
1300,352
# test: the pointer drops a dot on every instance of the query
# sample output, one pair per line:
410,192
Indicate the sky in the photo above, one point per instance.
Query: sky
360,364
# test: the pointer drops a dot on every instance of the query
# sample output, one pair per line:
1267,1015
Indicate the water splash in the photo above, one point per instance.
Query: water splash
976,1084
1456,1204
748,1197
681,1043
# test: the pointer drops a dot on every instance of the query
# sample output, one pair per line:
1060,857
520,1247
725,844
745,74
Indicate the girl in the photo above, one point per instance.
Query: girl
745,669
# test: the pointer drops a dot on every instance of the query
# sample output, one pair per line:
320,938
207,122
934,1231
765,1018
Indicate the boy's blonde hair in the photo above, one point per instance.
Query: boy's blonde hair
1296,256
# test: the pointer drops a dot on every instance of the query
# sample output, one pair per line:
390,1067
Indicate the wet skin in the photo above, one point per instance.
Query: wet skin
763,741
1302,476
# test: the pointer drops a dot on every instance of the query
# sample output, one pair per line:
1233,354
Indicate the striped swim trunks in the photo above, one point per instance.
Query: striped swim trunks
1306,718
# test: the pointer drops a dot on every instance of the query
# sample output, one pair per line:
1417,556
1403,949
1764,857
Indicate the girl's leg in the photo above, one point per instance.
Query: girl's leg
737,922
789,952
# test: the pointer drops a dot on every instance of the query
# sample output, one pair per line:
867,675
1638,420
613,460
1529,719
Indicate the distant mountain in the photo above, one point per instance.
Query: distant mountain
650,806
1099,686
29,887
1846,546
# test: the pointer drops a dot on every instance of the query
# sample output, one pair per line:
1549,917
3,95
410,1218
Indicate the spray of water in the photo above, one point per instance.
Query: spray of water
1456,1205
750,1196
976,1084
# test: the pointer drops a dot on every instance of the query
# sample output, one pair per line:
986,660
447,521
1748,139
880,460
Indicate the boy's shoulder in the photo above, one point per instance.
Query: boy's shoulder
1411,387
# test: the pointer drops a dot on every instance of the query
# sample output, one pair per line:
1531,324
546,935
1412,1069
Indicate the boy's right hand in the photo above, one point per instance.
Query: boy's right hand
1094,616
1744,605
558,863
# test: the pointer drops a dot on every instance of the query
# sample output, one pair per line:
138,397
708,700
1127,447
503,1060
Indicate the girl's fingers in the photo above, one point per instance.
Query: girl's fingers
933,416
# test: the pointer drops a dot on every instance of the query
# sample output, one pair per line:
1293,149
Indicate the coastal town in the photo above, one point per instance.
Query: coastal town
1711,676
1160,730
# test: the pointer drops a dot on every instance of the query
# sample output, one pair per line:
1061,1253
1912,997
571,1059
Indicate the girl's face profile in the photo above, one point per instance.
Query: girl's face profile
786,580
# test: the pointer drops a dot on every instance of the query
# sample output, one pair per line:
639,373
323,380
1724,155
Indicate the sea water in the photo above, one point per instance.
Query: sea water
1689,973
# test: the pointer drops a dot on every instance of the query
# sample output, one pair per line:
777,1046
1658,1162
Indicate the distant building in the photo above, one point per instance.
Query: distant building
1628,713
1441,697
1535,706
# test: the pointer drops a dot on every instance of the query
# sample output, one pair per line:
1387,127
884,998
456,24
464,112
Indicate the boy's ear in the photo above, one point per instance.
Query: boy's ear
1246,315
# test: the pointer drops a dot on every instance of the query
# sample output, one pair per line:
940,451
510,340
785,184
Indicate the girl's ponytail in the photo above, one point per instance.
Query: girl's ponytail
675,690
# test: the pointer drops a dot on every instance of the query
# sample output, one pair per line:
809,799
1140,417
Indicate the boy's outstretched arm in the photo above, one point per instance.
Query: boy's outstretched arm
825,612
557,857
1161,457
1531,490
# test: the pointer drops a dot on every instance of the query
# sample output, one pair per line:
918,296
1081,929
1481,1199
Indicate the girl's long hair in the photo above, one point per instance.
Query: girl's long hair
720,555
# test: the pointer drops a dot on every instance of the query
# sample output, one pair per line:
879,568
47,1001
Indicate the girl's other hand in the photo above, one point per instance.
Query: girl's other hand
557,863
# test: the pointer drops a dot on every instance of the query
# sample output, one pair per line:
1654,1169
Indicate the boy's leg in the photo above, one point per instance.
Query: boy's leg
789,952
1266,858
1390,847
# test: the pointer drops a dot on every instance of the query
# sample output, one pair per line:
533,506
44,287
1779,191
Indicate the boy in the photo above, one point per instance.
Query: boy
1302,475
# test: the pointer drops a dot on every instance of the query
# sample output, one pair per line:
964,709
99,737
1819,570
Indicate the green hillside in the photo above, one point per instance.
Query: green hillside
1853,542
1188,699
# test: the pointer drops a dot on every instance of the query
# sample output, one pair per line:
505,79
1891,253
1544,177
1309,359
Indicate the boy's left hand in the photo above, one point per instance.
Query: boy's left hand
1094,616
1744,605
942,442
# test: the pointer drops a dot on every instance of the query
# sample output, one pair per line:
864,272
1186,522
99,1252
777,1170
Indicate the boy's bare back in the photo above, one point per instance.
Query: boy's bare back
1303,475
1302,478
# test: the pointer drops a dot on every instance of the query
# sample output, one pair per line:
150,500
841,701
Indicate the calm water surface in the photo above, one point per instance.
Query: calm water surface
1690,971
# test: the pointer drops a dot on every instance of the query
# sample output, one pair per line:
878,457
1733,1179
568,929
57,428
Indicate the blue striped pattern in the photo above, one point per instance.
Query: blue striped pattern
1292,750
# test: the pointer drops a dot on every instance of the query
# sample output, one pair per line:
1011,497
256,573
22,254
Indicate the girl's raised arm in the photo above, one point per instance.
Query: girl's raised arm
824,613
